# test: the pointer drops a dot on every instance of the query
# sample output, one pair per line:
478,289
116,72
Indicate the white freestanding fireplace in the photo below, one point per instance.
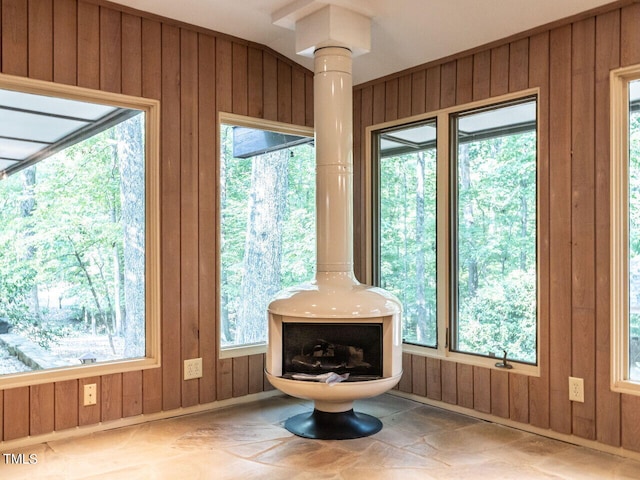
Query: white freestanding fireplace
334,324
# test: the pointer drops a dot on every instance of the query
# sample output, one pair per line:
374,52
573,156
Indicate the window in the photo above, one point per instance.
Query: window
625,229
78,271
454,228
267,222
406,175
493,259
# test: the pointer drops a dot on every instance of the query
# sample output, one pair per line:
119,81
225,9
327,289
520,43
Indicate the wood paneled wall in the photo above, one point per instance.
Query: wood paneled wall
194,73
570,64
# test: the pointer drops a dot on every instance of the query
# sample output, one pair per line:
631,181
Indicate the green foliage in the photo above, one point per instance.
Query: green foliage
297,234
497,246
408,240
59,225
502,316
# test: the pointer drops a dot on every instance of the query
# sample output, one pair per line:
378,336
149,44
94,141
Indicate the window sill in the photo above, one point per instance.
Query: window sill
242,351
39,377
476,361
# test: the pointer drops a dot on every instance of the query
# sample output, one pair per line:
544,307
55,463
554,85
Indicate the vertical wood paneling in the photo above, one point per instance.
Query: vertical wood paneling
308,79
464,80
240,376
607,58
189,258
131,394
207,204
256,373
14,37
66,404
41,409
151,87
418,375
519,398
404,96
284,92
464,377
89,45
583,224
482,389
539,77
170,219
131,55
224,75
499,70
434,380
255,83
110,50
448,84
65,41
270,88
560,227
40,36
630,35
379,92
500,393
406,382
239,99
482,75
391,100
519,65
298,85
418,92
449,382
111,393
90,414
225,379
630,426
16,413
432,93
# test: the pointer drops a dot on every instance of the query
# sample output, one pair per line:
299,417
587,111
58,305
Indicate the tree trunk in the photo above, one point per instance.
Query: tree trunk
263,245
421,302
129,137
468,217
27,206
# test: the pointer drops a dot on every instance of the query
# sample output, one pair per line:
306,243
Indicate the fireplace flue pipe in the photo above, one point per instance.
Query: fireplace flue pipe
334,164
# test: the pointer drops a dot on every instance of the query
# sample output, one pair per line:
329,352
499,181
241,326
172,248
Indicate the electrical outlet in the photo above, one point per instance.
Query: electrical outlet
576,389
90,394
192,368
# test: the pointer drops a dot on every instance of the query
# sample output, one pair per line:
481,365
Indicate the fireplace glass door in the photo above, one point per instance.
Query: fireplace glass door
319,348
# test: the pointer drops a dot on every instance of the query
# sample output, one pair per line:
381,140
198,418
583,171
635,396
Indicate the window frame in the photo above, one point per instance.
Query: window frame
375,236
619,236
261,124
444,213
151,109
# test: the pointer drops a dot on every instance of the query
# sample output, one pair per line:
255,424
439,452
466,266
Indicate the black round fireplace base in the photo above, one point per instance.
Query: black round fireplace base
333,426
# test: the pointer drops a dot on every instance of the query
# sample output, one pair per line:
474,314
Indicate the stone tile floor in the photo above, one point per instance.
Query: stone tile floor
248,442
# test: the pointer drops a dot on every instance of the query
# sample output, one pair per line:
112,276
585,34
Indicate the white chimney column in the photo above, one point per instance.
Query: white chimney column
334,161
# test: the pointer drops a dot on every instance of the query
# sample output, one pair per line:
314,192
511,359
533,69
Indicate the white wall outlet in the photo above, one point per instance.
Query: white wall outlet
192,368
90,394
576,389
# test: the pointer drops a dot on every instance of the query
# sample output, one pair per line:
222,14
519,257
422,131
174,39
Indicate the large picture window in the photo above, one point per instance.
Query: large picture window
454,229
494,279
75,270
625,229
267,222
406,253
